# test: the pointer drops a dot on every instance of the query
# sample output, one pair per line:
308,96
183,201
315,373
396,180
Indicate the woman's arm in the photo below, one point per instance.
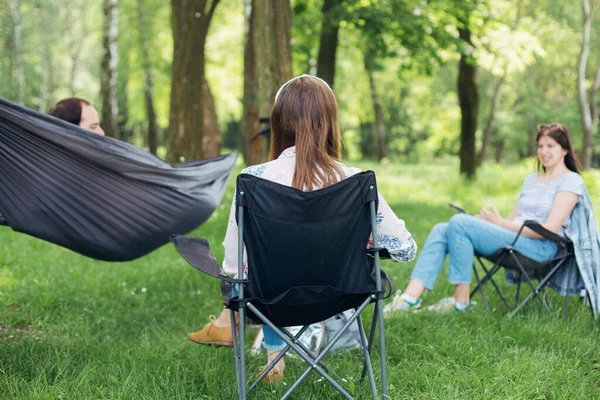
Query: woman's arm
393,235
564,203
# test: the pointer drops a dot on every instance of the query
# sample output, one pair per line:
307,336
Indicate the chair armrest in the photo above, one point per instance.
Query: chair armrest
458,208
545,233
196,251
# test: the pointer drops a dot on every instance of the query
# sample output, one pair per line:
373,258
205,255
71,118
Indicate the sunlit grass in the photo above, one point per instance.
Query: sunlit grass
75,328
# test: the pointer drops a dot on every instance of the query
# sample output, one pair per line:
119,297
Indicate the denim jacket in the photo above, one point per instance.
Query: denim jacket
582,230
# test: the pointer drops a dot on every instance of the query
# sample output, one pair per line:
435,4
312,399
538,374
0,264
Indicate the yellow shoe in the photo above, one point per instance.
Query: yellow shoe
211,334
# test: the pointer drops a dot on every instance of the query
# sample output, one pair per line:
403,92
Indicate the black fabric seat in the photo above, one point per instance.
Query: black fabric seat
307,261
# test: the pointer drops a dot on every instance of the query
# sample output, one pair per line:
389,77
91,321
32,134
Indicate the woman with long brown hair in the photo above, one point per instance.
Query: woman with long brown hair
305,151
547,197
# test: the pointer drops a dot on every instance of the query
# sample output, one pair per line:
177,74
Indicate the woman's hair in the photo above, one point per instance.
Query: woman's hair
305,115
69,110
559,133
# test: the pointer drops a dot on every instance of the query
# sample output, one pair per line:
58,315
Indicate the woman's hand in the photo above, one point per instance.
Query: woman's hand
492,215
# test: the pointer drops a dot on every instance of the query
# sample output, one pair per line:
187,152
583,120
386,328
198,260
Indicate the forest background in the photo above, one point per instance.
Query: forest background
416,80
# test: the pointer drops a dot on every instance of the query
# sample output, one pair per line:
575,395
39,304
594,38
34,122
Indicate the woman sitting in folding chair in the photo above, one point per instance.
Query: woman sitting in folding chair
547,197
305,142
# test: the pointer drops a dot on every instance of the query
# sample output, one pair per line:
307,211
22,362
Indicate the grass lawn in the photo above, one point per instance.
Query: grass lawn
76,328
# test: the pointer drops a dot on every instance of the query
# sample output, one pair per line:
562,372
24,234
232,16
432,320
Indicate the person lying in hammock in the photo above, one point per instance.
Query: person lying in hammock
78,112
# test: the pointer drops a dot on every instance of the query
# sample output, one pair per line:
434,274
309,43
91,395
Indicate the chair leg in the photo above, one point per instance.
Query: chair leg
242,351
379,310
572,271
485,303
236,352
313,364
535,290
367,355
370,343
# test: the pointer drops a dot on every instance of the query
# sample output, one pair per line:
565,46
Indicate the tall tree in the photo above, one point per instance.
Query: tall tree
588,104
377,107
46,60
148,81
108,83
250,118
468,99
272,42
329,40
190,20
15,9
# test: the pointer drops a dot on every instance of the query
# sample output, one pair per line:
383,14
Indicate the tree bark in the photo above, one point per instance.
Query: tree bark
469,106
211,136
190,22
250,118
587,105
15,9
329,41
108,84
489,127
148,80
272,40
377,110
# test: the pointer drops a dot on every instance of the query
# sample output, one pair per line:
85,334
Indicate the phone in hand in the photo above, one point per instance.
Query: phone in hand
458,208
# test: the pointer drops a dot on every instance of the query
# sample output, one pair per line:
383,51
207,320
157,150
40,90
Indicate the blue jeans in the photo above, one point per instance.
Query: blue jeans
271,341
462,237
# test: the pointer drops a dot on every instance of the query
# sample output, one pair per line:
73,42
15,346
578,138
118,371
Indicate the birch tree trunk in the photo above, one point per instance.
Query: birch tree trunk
190,21
15,10
272,40
587,104
250,118
148,81
108,84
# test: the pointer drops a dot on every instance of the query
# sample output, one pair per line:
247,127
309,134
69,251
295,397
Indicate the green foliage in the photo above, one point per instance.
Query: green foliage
75,328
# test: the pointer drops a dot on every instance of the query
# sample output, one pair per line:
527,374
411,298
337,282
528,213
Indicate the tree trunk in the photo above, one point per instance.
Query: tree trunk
20,78
489,127
250,117
469,106
587,105
211,136
190,22
148,81
329,40
378,111
498,150
46,61
108,84
272,40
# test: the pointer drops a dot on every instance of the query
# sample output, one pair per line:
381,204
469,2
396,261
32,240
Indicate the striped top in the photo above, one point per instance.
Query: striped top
535,200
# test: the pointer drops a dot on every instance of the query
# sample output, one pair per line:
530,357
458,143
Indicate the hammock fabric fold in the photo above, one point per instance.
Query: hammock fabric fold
98,196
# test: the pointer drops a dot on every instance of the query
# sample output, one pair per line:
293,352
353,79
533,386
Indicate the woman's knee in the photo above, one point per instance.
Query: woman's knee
459,222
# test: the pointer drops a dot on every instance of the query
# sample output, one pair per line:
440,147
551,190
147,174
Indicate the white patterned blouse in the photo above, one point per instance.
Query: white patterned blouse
391,230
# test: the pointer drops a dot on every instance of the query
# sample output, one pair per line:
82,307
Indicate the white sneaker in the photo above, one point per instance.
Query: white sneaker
448,304
400,304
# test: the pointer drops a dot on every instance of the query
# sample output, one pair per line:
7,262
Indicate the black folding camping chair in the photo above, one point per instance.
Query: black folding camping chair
527,269
308,261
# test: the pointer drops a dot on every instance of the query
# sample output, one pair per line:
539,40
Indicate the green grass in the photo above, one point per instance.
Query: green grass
75,328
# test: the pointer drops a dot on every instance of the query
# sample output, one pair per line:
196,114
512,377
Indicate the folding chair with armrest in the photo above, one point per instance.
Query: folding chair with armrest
509,258
308,261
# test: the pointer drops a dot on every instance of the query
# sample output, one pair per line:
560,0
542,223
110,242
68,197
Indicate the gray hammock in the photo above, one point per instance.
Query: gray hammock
98,196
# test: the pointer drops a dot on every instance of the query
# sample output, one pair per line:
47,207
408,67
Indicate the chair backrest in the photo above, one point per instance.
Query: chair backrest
307,249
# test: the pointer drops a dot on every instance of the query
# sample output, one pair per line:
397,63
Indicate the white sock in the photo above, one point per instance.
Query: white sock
408,298
460,306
